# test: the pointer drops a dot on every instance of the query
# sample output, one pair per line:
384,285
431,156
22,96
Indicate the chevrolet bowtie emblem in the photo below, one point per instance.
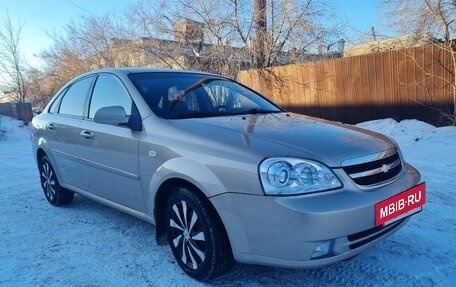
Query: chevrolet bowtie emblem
385,168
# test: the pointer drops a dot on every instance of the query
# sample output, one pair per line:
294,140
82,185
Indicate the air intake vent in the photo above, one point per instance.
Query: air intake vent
361,238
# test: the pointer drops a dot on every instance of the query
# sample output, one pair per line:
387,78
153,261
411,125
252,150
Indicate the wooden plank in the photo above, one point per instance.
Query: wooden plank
372,79
365,82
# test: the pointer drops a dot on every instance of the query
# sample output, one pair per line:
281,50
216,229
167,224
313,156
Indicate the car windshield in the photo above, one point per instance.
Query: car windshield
188,95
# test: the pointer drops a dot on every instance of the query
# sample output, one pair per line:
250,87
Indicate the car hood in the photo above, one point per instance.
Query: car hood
287,134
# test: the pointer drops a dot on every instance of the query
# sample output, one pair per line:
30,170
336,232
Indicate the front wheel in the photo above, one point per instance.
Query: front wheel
54,193
196,237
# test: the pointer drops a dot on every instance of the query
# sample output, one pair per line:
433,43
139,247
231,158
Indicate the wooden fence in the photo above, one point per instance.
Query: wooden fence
409,83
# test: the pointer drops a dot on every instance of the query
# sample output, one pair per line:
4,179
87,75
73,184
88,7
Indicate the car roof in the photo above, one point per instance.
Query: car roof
135,70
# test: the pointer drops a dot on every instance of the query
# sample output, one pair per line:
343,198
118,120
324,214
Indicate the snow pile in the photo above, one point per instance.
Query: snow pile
13,129
428,243
419,140
88,244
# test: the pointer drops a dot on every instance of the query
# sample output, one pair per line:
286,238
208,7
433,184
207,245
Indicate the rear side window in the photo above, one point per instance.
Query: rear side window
54,107
108,92
74,99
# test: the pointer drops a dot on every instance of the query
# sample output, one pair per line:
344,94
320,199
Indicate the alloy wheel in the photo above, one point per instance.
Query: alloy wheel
48,181
187,233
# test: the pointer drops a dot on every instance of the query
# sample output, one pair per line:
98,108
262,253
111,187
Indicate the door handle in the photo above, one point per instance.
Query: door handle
50,126
86,134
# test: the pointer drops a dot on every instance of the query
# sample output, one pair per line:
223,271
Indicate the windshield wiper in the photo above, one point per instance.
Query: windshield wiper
260,111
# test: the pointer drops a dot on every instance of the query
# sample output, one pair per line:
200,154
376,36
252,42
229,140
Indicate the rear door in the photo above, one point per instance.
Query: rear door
63,131
110,153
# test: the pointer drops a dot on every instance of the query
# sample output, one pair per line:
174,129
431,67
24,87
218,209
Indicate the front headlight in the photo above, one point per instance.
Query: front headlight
285,176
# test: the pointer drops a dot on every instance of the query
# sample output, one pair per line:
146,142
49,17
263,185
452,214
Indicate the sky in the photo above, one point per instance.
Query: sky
39,16
360,15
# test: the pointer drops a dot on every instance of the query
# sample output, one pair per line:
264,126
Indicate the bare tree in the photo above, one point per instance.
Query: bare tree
261,35
12,62
419,17
437,19
209,35
236,34
81,46
41,87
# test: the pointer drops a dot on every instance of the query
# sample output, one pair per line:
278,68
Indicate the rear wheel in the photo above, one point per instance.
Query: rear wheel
196,237
54,193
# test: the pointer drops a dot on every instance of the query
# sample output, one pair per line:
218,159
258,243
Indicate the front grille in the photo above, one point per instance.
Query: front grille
361,238
376,171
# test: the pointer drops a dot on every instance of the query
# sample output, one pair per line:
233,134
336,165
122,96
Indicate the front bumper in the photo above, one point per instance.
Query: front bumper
285,231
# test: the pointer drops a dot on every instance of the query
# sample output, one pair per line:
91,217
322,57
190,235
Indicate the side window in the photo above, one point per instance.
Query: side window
54,107
75,97
109,92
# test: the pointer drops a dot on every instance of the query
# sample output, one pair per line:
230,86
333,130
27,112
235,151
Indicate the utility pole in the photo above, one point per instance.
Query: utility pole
260,22
373,33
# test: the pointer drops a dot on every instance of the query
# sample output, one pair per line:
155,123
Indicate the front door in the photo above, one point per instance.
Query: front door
110,153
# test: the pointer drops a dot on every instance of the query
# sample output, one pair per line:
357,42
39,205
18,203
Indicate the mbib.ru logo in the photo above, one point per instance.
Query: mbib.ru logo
400,204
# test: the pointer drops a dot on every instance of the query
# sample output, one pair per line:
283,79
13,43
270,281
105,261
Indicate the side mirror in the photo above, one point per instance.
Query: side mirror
116,116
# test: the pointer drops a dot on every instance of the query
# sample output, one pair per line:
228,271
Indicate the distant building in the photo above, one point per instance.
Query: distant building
9,97
388,45
187,50
189,31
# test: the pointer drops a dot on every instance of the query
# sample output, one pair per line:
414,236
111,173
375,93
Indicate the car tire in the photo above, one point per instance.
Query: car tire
54,193
196,236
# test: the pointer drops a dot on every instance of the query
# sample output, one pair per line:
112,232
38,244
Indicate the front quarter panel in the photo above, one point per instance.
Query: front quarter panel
182,168
214,168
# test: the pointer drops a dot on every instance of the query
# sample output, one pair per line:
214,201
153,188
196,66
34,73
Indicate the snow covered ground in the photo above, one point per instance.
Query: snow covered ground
88,244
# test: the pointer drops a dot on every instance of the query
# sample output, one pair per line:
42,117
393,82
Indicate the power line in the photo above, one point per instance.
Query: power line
77,6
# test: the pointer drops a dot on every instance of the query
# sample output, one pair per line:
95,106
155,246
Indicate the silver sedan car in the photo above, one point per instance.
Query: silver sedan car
224,174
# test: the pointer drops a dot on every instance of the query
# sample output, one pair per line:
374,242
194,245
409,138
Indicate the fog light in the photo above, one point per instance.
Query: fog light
322,249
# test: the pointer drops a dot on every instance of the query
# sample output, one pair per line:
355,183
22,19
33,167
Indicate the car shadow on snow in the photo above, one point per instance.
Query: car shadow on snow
359,271
94,213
